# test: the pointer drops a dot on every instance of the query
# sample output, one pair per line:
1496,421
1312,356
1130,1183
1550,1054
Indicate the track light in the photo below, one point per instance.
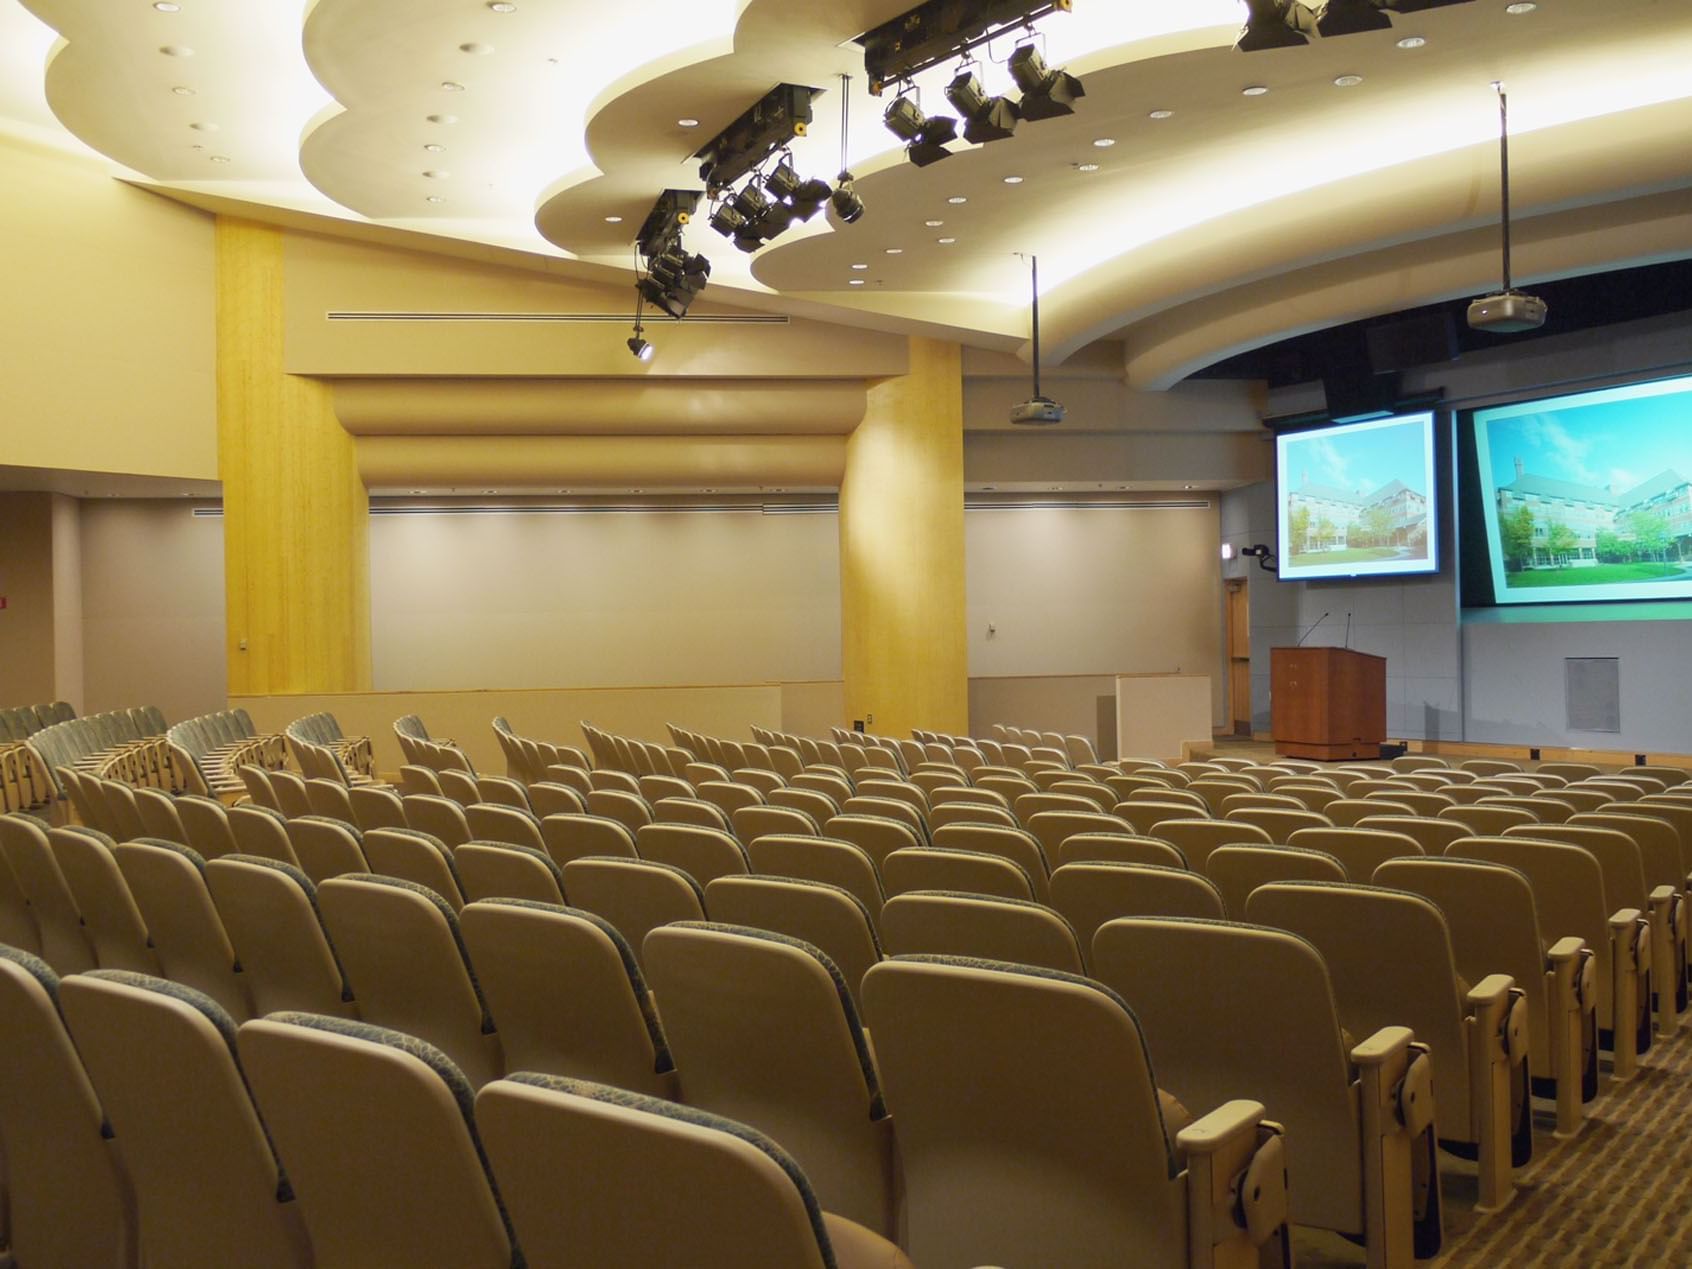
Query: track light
847,205
1275,24
784,181
810,196
751,202
638,345
727,221
985,118
926,136
1046,93
904,119
1352,17
673,280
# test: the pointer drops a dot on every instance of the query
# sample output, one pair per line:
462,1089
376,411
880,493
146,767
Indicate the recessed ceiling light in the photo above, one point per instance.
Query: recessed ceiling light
434,198
1348,81
502,6
1413,41
165,6
934,224
437,174
1255,90
441,118
478,49
855,282
1104,143
687,123
1013,180
1516,10
613,220
220,158
434,147
177,50
182,90
203,127
1086,167
895,251
860,266
451,86
945,242
957,200
1161,114
196,146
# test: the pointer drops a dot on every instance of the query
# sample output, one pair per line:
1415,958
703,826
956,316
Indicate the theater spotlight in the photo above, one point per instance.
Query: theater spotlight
727,221
673,280
847,205
1046,93
1275,24
985,118
810,196
904,119
751,202
1351,17
783,182
639,346
925,136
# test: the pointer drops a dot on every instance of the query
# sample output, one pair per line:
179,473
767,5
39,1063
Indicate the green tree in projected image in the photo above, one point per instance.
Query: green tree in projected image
1560,540
1298,528
1517,531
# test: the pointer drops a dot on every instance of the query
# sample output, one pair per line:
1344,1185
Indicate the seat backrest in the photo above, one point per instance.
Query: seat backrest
1359,850
1004,1187
1487,821
440,817
1016,845
1279,822
1250,1014
569,837
1197,838
326,847
269,911
500,870
764,1030
206,822
1658,841
888,809
733,1199
207,1185
1390,961
1432,835
946,923
416,856
568,994
292,795
159,815
549,797
458,785
378,1133
1238,870
1120,848
953,868
261,831
25,846
330,798
17,924
703,853
830,918
376,806
70,1198
1051,828
727,794
944,814
822,859
110,920
1090,893
875,835
1145,815
634,895
121,806
168,883
496,822
751,822
628,809
1618,857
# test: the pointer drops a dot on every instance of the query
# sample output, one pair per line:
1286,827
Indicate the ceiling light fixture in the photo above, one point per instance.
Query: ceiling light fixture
1086,167
441,119
926,136
1517,10
895,251
182,90
1161,114
934,224
687,123
1348,81
1254,90
854,282
177,50
860,266
845,202
1046,93
1013,180
639,345
1275,24
1104,143
957,200
451,86
945,242
165,6
1412,42
502,6
434,147
1352,17
986,118
936,31
437,174
613,220
434,198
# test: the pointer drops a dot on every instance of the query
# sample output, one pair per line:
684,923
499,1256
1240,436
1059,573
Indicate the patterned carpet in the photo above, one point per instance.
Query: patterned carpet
1619,1194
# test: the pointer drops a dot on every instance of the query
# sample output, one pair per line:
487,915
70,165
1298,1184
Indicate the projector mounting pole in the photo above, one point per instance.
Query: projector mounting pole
1035,264
1504,164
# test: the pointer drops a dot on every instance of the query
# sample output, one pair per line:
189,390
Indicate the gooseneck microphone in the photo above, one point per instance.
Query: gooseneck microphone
1312,629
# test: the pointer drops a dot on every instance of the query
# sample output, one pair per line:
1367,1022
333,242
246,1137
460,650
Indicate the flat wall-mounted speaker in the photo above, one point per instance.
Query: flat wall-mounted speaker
1594,693
1425,339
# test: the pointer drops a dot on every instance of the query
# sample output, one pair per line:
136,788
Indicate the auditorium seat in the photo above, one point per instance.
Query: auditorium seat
377,1132
703,853
1089,894
502,822
752,822
415,779
655,787
400,945
1144,815
169,885
58,923
950,923
725,794
17,924
1197,838
1359,850
504,870
206,823
458,785
570,837
293,795
875,835
1239,870
1544,807
159,815
831,861
270,915
1017,845
1279,822
1120,848
1252,1014
441,817
763,1030
830,918
1055,1150
376,806
954,868
261,831
968,812
111,922
568,994
208,1188
547,797
416,856
1313,797
326,847
634,895
1051,828
330,798
1433,836
1346,812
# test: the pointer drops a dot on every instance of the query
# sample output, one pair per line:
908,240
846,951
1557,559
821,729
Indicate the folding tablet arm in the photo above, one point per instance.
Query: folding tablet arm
1630,963
1237,1213
1395,1086
1667,919
1495,1025
1571,993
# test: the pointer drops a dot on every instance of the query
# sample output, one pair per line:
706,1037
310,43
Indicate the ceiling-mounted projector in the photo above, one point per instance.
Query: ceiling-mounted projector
1510,312
1038,410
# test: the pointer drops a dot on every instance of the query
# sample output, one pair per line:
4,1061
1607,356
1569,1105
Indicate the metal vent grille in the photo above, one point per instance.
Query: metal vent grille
1594,693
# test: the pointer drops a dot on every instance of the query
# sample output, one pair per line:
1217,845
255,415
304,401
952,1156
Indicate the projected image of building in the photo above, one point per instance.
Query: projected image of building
1548,523
1327,518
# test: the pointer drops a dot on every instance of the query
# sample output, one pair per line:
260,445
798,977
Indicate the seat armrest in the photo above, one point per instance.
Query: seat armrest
1236,1180
1389,1045
1493,990
1565,951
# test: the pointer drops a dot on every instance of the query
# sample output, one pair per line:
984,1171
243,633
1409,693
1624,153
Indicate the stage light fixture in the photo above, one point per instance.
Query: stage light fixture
1351,17
674,279
938,131
809,197
664,223
639,346
904,119
986,118
783,182
847,205
767,126
1046,93
727,221
751,202
1275,24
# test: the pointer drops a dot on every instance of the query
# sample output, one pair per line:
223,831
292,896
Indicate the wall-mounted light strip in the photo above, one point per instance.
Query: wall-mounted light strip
828,507
615,319
974,502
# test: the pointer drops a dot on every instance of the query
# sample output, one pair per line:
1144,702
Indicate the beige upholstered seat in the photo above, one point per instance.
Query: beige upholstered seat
161,1057
1347,811
124,816
1238,870
1089,894
415,779
703,853
1390,960
954,868
819,806
570,837
292,795
824,859
763,1029
948,923
752,822
401,948
690,811
206,823
634,895
269,912
440,817
1487,821
1432,835
1418,762
1197,838
376,806
493,822
1279,822
1120,848
261,831
964,812
733,1199
832,919
17,925
1490,912
1568,891
1315,796
111,922
760,778
1017,845
1143,816
325,847
1054,1150
1031,804
1543,807
416,856
159,814
568,994
875,835
1100,795
71,1203
1251,1011
256,780
727,794
501,870
1360,850
571,777
894,809
376,1130
831,784
1217,789
896,790
1052,828
1270,801
169,885
329,798
654,787
547,797
458,785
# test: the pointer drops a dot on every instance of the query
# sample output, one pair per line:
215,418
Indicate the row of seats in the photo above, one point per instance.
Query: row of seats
322,751
206,752
24,783
126,744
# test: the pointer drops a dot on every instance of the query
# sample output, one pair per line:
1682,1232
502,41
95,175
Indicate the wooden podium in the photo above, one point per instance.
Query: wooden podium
1327,703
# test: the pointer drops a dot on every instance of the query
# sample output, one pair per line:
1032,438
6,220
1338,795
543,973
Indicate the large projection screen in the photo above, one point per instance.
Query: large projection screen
1358,500
1589,497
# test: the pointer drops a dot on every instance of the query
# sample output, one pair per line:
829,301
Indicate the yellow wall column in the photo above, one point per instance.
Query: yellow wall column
904,654
296,515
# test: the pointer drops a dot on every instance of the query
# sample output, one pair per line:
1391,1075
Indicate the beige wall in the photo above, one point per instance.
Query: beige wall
1095,591
152,607
27,648
603,598
67,601
107,325
1068,705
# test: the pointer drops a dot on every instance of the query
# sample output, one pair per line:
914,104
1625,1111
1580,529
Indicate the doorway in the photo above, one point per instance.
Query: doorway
1238,600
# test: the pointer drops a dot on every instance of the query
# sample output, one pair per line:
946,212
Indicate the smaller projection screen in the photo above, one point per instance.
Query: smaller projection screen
1358,500
1589,497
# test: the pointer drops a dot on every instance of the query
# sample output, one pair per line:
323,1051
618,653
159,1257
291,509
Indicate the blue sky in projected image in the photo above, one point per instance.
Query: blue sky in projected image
1605,444
1362,461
